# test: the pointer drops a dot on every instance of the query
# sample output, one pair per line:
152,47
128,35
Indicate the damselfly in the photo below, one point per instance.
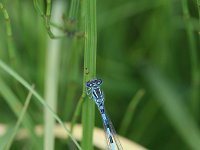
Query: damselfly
95,93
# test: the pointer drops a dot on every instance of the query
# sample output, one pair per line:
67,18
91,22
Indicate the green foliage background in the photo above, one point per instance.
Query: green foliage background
149,46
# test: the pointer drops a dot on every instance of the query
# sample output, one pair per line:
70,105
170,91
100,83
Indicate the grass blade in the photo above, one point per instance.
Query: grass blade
15,105
39,98
19,121
130,111
174,108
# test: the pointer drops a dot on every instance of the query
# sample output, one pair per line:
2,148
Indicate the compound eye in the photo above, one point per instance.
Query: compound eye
99,81
88,84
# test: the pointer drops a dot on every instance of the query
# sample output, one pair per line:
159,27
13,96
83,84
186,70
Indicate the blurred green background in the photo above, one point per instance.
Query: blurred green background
147,57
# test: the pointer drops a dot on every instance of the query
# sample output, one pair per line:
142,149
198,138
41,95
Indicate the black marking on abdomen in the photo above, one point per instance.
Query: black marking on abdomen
102,111
110,138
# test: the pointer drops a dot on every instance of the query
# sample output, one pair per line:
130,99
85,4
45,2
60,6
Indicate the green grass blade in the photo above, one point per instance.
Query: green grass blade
88,20
74,10
195,80
39,98
128,116
174,109
4,139
19,121
15,105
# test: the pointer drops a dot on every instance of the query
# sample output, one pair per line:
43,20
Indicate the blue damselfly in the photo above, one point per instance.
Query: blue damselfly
95,93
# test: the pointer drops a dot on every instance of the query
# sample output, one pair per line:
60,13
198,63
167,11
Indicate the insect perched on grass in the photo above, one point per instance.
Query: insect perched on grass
95,93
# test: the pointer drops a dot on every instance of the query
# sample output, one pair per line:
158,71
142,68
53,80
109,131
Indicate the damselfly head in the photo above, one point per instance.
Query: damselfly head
94,83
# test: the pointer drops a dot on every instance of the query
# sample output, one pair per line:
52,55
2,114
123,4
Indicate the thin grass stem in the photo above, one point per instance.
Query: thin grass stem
19,121
15,105
77,112
128,116
73,12
46,17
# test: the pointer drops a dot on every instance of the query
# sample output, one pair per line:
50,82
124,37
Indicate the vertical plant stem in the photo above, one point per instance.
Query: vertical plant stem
193,59
88,18
51,82
11,49
19,121
73,9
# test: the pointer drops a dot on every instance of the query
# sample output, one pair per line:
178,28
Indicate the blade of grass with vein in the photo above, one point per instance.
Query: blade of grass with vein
19,121
174,108
39,98
128,116
88,24
73,10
